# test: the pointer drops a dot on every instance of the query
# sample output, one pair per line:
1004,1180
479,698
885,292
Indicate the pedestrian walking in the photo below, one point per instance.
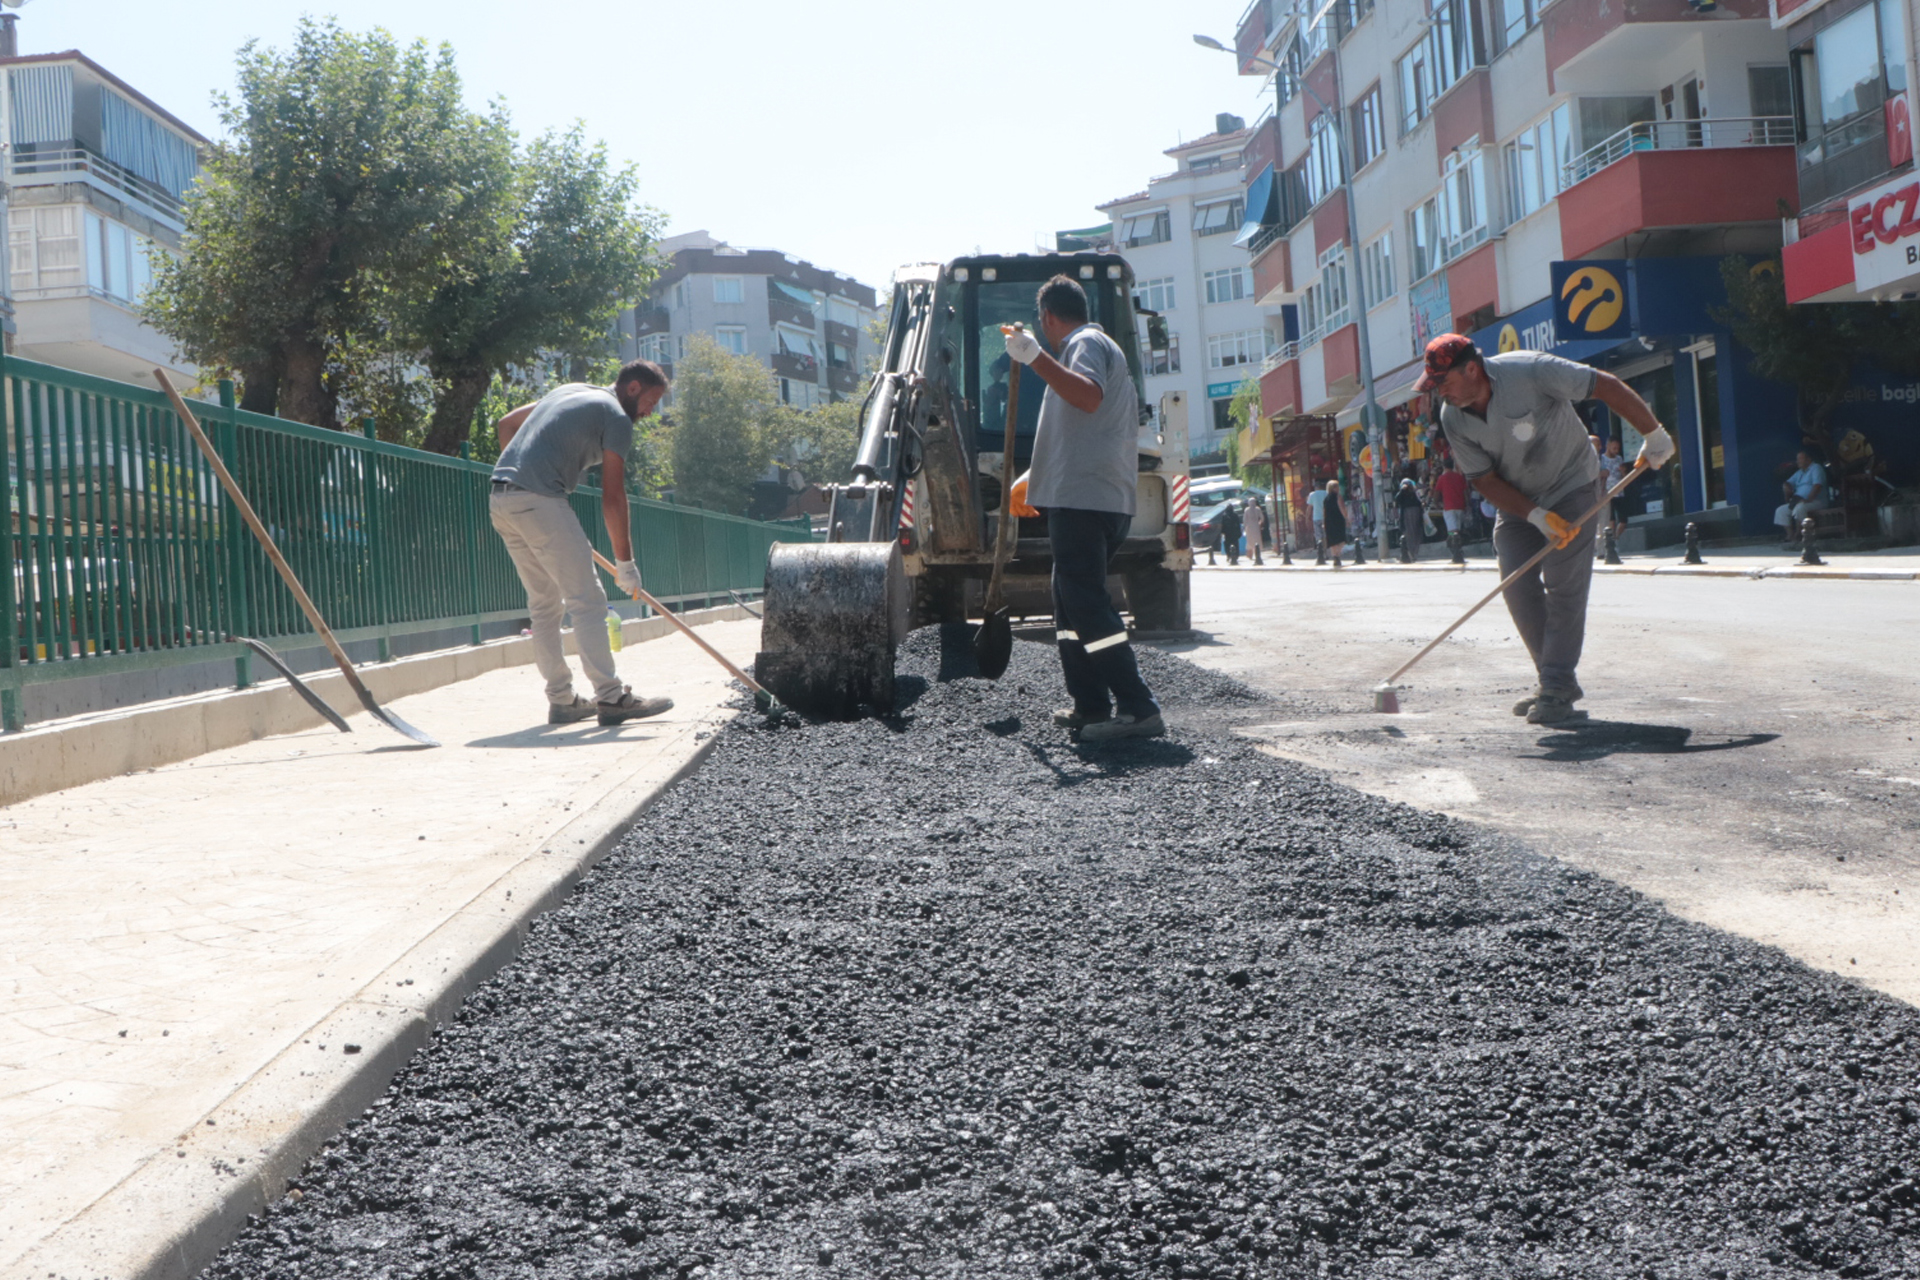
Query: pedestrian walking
1413,517
1333,517
1085,462
1255,524
1316,510
1230,532
545,448
1453,504
1510,421
1613,469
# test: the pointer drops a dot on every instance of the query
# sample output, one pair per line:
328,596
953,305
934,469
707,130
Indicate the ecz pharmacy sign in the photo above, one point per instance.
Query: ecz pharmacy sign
1885,223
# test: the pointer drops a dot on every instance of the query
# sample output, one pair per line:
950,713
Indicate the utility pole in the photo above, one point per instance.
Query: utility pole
1371,417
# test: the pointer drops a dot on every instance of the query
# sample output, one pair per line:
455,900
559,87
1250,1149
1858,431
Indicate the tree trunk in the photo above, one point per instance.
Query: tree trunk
462,388
305,395
260,387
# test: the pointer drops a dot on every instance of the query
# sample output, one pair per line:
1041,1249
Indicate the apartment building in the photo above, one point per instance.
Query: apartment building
1560,175
1182,237
97,175
807,324
1857,236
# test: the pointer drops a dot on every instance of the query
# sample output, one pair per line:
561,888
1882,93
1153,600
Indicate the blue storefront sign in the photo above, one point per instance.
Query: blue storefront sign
1221,390
1534,328
1590,300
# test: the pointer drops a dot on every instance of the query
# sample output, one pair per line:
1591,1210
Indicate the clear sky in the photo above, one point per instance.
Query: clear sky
859,134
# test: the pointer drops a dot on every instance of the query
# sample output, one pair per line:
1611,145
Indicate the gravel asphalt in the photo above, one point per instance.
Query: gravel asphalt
947,995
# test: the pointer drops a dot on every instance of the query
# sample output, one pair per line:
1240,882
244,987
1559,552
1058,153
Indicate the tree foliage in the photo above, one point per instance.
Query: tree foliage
1814,347
724,425
819,443
361,242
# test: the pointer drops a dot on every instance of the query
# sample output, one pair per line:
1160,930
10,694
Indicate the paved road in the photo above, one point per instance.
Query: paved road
1750,759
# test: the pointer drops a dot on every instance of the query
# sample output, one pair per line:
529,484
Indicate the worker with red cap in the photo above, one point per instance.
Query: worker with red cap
1510,422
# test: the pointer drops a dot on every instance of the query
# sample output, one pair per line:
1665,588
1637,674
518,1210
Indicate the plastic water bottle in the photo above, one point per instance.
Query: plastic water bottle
616,638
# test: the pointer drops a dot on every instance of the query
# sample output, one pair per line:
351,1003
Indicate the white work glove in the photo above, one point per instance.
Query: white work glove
626,575
1656,447
1558,531
1021,345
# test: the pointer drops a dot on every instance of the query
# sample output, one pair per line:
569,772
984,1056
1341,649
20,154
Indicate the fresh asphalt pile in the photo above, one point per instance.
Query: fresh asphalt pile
945,995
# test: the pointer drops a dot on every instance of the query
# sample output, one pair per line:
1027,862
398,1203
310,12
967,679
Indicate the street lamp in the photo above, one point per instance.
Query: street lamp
1370,409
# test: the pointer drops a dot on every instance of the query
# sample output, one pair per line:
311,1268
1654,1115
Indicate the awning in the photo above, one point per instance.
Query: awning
802,296
1260,210
1396,388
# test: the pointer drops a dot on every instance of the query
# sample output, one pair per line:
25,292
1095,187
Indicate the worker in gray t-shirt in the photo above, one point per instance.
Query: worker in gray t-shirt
1085,461
545,448
1511,425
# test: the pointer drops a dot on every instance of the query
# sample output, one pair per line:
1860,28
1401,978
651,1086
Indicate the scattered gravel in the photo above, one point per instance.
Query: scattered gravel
945,995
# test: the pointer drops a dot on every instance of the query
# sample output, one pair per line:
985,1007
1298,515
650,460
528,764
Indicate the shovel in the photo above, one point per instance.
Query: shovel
762,700
993,642
305,602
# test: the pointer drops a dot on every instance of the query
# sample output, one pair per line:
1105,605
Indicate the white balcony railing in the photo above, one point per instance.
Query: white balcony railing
1678,135
1285,352
68,163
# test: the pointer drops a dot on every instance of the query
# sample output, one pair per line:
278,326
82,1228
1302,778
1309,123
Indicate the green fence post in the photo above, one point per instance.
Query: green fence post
473,542
239,614
370,504
10,717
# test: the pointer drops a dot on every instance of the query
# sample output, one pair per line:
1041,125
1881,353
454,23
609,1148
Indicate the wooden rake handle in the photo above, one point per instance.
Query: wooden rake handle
1006,530
670,616
267,543
1639,468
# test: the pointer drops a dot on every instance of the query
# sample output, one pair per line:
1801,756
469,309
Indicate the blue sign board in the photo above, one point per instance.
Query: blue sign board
1590,299
1221,390
1533,329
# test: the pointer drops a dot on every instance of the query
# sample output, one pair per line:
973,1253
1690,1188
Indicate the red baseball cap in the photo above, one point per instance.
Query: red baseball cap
1445,354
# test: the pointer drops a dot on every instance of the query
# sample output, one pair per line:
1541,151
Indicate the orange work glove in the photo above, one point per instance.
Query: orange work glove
1018,499
1559,531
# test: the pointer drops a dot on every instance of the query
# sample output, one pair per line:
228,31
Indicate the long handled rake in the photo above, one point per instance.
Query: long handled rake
300,595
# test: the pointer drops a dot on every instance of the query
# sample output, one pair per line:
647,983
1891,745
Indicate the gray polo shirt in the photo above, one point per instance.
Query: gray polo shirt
1089,460
564,435
1531,437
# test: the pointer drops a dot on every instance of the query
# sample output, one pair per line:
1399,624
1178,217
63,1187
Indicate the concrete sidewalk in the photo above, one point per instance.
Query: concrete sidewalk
1897,564
206,967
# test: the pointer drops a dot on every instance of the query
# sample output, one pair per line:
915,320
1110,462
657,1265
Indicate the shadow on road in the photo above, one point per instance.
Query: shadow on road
561,735
1592,739
1111,760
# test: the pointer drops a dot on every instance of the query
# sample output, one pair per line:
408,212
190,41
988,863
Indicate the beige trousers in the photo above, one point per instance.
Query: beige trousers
555,561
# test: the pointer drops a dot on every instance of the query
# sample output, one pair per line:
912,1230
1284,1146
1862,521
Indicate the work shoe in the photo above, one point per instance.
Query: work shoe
1124,726
569,712
1074,718
1551,708
1524,707
628,707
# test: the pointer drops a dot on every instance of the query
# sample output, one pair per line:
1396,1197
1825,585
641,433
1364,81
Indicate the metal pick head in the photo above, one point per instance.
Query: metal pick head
1386,700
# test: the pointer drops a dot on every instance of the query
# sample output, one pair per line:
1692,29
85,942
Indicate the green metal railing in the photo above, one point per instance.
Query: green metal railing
126,556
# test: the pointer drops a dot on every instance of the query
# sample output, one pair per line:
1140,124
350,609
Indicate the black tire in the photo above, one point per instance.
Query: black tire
1159,600
937,598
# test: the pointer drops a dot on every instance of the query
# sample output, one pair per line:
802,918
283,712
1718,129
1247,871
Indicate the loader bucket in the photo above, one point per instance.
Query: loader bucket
835,615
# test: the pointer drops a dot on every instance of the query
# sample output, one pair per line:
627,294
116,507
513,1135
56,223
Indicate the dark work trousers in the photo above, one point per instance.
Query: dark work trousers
1095,656
1412,527
1549,605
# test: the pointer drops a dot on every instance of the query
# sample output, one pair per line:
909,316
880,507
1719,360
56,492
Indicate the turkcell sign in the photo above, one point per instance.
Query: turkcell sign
1885,224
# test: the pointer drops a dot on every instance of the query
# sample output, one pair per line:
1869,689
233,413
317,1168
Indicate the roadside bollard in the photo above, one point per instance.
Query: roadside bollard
1613,546
1457,545
1286,552
1693,544
1359,556
1319,549
1807,554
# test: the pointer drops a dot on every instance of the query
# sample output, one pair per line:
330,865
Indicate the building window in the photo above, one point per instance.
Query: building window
657,347
1155,294
46,248
840,311
680,294
1463,205
1537,160
1511,20
1376,271
1452,46
1156,364
1146,228
1367,127
1212,219
1229,285
1323,307
727,289
838,356
1323,159
731,337
1231,350
1223,416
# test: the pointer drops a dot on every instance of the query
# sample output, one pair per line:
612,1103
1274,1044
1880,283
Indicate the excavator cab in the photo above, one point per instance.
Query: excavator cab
914,525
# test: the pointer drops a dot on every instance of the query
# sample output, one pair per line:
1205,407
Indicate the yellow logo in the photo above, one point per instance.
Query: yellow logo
1594,299
1509,339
